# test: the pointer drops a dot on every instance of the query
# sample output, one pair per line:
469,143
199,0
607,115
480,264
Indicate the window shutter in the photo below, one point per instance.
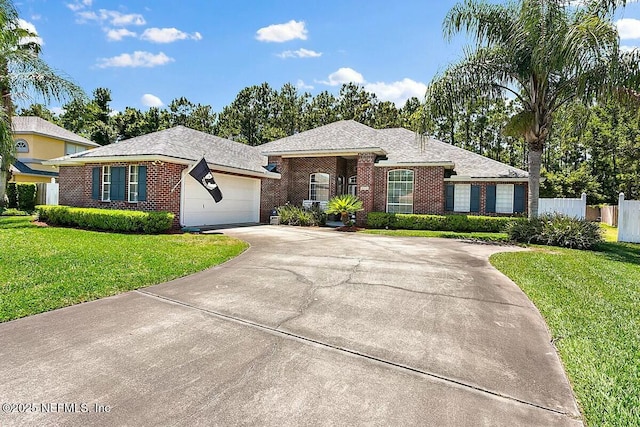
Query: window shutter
142,183
449,197
518,198
95,183
490,206
475,198
117,183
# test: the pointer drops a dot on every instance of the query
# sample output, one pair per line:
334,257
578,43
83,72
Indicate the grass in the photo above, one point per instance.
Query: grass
591,303
44,268
609,233
490,237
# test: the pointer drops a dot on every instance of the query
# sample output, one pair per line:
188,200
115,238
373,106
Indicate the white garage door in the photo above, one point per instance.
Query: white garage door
240,201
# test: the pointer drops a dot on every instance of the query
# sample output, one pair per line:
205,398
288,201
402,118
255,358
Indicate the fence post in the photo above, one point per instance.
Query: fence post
620,218
584,206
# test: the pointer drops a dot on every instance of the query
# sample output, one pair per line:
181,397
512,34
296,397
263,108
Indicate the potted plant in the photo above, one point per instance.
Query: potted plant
345,205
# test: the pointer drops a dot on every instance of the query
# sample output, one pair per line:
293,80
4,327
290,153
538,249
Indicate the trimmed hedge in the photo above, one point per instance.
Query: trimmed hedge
22,196
12,195
106,219
463,223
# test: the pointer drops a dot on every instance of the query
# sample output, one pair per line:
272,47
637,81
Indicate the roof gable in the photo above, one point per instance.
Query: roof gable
36,125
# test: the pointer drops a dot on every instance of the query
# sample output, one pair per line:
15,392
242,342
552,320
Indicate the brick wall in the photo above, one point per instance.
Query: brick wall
76,188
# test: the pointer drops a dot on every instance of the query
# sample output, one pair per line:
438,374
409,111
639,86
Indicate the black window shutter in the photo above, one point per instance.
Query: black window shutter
117,183
142,183
518,198
490,205
95,183
475,198
449,197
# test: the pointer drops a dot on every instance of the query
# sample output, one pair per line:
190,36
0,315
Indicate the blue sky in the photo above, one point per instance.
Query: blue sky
150,52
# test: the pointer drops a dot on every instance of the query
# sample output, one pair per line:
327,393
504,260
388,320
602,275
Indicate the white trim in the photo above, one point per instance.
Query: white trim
105,182
324,153
496,179
413,188
77,161
132,182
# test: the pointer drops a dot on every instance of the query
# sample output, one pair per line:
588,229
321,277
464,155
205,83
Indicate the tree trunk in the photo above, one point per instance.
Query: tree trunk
535,160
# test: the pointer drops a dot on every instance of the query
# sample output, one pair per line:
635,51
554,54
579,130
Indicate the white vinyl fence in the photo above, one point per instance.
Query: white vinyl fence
576,208
47,193
628,220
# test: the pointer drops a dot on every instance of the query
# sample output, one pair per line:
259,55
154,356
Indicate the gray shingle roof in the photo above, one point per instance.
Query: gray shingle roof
342,136
37,125
183,143
400,145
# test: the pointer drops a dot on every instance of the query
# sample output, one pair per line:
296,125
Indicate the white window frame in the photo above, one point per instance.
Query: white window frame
314,185
462,198
105,194
133,183
504,198
352,185
401,207
21,142
70,148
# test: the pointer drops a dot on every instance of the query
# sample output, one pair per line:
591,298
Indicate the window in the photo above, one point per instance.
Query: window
400,191
340,185
133,183
319,187
22,146
72,149
352,187
462,198
106,183
504,198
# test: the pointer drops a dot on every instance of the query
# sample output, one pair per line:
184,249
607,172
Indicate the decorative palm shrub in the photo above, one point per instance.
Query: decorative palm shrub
345,205
556,230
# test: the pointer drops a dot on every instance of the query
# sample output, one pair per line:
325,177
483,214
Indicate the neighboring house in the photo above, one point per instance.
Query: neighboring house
38,140
149,173
391,170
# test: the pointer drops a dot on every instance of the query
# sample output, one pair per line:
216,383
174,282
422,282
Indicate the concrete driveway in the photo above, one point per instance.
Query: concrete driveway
308,327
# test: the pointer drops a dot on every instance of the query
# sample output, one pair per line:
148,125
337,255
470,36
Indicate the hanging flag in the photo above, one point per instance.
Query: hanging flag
201,173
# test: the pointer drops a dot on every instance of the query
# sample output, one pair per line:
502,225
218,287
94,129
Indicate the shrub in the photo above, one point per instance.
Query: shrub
293,215
345,205
557,230
26,197
12,195
107,219
460,223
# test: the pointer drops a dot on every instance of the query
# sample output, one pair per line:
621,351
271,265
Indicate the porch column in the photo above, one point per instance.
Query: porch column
366,185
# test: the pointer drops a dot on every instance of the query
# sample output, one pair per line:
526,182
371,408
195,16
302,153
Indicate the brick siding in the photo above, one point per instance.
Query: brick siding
76,188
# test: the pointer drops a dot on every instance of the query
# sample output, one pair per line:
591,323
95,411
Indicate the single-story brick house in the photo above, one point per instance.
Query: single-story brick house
149,173
391,170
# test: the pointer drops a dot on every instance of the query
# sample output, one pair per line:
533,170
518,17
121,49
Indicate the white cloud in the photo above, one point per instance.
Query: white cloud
624,48
25,25
628,28
397,92
118,34
57,111
300,53
113,17
167,35
282,32
300,84
79,4
344,75
135,59
149,100
36,17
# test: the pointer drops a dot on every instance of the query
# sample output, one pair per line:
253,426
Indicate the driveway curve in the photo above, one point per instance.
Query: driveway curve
308,327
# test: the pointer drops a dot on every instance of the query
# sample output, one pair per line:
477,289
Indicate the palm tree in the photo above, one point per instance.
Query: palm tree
345,205
23,74
543,53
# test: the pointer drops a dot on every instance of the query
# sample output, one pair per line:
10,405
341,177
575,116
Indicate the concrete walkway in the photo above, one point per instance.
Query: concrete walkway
308,327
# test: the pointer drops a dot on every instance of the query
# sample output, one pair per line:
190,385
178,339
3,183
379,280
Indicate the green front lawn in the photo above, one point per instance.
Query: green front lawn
43,268
491,237
591,303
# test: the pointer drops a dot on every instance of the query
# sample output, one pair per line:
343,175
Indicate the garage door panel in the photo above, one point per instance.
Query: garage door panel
240,202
